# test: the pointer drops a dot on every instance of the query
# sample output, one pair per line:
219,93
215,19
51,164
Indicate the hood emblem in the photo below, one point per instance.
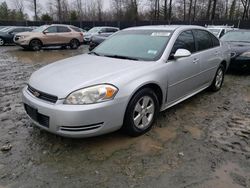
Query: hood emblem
36,94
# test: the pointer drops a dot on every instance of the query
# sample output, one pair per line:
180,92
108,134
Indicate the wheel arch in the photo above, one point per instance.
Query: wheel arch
36,39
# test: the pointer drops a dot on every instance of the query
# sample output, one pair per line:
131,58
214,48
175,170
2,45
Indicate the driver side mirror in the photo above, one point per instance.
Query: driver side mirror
45,32
182,53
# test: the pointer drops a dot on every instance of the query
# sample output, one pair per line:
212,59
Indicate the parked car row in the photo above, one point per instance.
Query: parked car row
51,35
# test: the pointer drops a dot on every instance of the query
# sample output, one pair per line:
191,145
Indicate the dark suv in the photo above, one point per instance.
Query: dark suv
7,35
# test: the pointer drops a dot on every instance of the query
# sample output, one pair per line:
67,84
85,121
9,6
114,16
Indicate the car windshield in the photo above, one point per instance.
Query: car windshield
94,30
135,44
6,29
237,36
215,31
40,29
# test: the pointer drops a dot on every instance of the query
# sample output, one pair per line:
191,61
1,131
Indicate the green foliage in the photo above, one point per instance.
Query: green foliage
11,14
73,16
46,17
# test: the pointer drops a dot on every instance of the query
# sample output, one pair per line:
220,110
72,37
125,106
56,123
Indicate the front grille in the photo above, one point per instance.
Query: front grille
36,116
81,128
42,95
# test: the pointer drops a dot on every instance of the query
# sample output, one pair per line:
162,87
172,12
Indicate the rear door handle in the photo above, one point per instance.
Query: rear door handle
196,60
216,53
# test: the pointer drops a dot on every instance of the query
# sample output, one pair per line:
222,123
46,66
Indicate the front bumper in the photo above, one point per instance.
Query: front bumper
77,121
240,64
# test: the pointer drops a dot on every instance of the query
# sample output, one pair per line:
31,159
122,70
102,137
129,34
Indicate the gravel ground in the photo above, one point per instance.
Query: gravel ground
202,142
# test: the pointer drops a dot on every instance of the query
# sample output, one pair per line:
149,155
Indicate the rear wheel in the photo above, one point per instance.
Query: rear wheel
218,79
141,112
36,45
74,44
2,42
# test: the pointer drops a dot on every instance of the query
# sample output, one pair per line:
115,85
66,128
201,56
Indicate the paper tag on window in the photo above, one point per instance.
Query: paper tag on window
160,34
154,52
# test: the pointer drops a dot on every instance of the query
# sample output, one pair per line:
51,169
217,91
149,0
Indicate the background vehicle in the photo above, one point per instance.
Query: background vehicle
50,35
7,34
98,39
239,42
123,85
99,31
220,31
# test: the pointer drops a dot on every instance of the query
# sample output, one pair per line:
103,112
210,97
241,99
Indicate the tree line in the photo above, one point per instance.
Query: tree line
126,10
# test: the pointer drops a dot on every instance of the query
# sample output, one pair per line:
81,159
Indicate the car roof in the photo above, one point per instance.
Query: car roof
166,27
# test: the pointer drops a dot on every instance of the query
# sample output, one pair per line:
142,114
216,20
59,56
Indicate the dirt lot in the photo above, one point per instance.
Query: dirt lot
203,142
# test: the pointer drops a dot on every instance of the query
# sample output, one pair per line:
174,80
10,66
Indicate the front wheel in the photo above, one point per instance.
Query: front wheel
36,45
218,79
2,42
74,44
141,112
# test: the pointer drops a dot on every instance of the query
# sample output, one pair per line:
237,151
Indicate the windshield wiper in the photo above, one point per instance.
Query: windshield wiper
122,57
94,53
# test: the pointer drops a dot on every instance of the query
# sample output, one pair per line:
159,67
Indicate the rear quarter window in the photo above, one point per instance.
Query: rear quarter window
75,29
216,41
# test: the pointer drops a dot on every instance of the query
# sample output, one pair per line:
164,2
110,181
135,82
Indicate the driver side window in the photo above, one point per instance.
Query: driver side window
184,41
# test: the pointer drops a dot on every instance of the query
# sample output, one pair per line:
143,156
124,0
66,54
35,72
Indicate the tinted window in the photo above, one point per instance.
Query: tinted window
111,30
216,42
203,40
27,29
76,29
222,33
184,41
17,30
52,29
62,29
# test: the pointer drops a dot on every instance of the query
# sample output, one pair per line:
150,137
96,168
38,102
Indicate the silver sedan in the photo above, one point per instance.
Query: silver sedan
126,81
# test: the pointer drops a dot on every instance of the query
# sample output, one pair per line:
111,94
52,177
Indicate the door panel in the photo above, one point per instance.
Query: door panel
183,73
184,77
209,51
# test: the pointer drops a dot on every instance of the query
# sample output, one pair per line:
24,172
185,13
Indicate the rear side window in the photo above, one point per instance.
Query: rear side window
184,41
203,40
62,29
216,42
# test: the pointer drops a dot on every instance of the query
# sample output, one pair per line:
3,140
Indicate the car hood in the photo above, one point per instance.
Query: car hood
24,34
238,48
66,76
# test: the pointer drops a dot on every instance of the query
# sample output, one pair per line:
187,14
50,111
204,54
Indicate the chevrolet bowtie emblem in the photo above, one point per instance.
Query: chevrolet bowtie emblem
36,94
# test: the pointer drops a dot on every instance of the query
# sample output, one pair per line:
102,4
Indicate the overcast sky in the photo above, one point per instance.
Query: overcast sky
106,4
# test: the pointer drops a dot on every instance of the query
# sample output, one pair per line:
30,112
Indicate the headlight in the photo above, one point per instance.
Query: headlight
245,54
91,95
22,37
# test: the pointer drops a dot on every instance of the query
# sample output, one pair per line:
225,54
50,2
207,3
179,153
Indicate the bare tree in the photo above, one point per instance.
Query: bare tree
190,10
214,9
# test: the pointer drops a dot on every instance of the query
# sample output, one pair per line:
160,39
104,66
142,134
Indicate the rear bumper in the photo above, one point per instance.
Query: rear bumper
76,121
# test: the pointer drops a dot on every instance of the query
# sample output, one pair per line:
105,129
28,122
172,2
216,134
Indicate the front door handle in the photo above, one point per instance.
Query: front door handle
196,60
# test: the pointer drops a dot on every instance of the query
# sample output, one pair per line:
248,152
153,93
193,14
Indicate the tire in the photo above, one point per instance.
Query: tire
218,79
2,42
35,45
139,119
74,44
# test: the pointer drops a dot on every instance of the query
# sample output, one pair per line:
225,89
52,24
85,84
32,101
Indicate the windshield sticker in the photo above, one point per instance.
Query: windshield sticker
161,34
154,52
